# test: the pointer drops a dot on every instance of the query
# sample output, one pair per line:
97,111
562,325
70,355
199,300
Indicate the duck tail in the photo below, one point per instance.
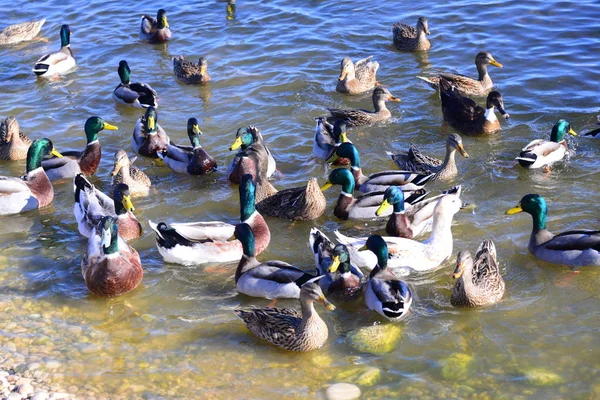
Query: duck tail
79,184
40,68
527,158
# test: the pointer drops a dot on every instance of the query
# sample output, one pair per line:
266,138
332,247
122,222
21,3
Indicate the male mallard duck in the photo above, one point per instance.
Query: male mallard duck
13,143
340,276
155,30
132,176
384,292
91,205
192,160
204,242
464,115
415,161
328,137
356,117
148,136
252,144
302,203
379,181
22,32
357,78
74,162
408,253
135,94
480,284
465,85
268,279
409,38
287,328
60,62
34,190
363,207
542,152
596,132
409,222
110,266
576,248
190,73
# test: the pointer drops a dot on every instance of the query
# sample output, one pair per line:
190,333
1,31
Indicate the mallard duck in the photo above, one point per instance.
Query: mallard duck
542,152
22,32
268,279
302,203
464,115
34,190
246,165
13,143
596,132
192,160
415,161
413,220
356,117
60,62
357,78
135,94
480,284
340,276
190,73
132,176
576,248
204,242
110,266
384,292
328,137
407,253
91,205
75,162
252,144
465,85
379,181
155,30
287,328
363,207
409,38
148,136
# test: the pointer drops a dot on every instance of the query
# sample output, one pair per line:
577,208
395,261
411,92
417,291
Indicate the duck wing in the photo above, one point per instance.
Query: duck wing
402,31
574,240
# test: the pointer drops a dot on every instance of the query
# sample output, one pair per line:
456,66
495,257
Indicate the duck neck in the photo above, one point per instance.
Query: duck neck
379,105
441,230
350,74
359,177
398,225
125,175
342,207
246,263
309,315
482,72
467,280
449,163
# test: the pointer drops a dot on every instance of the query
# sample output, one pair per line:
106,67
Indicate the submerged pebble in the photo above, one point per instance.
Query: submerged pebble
342,391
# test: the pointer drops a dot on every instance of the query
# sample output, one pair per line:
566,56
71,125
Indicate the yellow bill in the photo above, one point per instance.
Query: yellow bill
572,132
128,204
458,271
110,127
236,144
514,210
344,138
462,150
151,123
326,186
326,303
335,263
383,207
496,63
55,153
343,75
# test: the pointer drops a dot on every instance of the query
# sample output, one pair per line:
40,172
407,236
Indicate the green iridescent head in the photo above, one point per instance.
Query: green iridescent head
65,36
247,197
161,19
340,259
150,120
560,130
109,233
194,132
244,234
243,138
124,72
378,246
349,151
340,176
122,198
93,125
37,151
536,206
393,196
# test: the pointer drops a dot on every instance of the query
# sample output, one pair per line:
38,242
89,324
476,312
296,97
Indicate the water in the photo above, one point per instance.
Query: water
275,66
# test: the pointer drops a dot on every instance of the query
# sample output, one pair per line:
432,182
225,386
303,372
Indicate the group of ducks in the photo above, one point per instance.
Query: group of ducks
112,267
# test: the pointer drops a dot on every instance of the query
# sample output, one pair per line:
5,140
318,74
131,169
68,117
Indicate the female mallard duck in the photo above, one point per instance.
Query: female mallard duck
408,253
340,276
478,284
302,203
328,137
379,181
287,328
409,222
135,94
155,30
363,207
192,160
110,266
13,143
75,162
60,62
357,78
148,136
464,115
384,292
91,205
203,242
356,117
577,248
22,32
465,85
132,176
409,38
415,161
268,279
542,152
252,144
190,73
34,190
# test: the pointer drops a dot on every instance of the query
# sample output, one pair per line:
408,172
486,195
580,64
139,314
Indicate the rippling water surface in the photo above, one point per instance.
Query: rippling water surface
275,66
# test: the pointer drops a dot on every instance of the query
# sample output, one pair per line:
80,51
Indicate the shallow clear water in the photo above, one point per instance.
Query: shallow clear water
275,66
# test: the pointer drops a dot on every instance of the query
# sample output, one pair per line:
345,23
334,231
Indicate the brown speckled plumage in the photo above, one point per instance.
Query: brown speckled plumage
13,143
356,117
357,78
132,176
190,73
302,203
409,38
17,33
